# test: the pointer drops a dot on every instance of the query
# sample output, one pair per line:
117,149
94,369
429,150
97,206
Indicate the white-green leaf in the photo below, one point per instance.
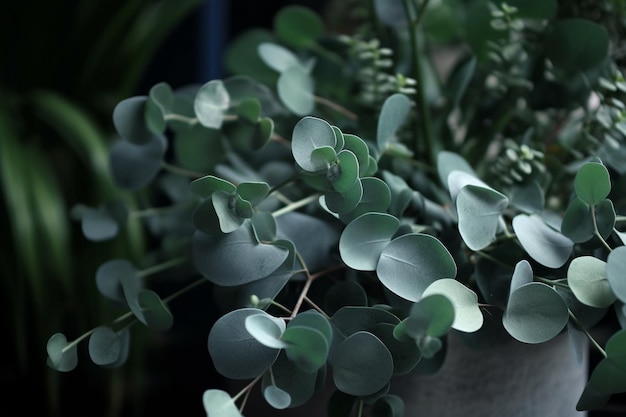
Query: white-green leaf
266,329
616,272
218,403
522,275
212,101
276,397
277,57
392,116
450,161
412,262
479,210
295,88
364,238
588,280
544,244
467,315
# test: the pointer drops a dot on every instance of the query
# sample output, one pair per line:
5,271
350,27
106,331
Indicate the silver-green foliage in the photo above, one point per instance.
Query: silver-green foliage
337,245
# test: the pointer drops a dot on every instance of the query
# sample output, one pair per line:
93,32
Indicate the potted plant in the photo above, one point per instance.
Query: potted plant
360,205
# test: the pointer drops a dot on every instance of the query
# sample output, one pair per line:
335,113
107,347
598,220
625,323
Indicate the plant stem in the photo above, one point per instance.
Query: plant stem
596,231
424,109
295,205
316,307
282,184
337,107
185,289
163,266
305,290
246,389
180,118
591,339
182,171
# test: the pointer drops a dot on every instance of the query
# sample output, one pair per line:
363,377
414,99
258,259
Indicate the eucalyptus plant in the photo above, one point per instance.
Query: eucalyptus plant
351,206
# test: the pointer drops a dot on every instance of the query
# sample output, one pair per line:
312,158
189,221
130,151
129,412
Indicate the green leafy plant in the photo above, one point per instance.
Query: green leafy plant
352,201
57,95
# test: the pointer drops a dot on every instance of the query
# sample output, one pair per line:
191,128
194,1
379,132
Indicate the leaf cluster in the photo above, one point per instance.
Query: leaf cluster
346,246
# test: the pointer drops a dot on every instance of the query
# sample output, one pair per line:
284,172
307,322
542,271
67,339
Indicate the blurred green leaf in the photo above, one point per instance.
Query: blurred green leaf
298,25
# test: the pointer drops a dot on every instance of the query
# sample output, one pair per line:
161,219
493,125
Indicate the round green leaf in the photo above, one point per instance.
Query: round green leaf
433,315
479,210
616,272
450,161
363,240
314,320
347,171
360,149
544,244
609,376
278,57
158,106
134,166
605,218
592,183
154,312
129,120
362,365
349,320
207,185
266,329
412,262
59,358
236,354
276,397
522,275
310,133
401,193
376,197
198,148
588,280
535,313
205,217
405,353
264,226
388,406
210,104
342,294
103,223
242,56
392,116
295,88
528,197
306,346
218,403
341,203
578,221
254,192
324,156
106,347
236,258
576,44
229,220
298,25
467,315
111,274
